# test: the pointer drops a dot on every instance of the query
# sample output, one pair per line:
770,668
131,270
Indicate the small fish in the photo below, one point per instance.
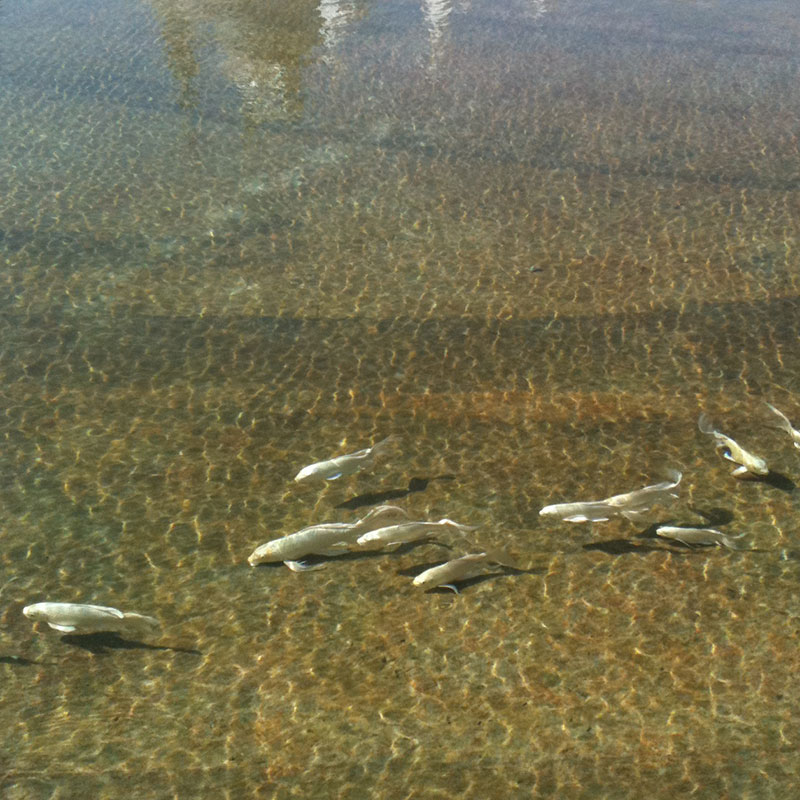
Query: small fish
748,464
459,569
344,465
785,425
633,505
326,539
408,532
589,511
83,618
698,536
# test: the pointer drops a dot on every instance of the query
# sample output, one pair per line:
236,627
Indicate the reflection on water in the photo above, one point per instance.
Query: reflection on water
534,239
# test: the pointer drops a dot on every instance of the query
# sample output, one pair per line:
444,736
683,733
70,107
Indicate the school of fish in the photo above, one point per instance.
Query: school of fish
388,527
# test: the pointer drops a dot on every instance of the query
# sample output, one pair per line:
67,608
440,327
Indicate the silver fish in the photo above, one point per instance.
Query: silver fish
84,618
748,464
636,505
408,532
785,425
459,569
633,505
589,511
326,539
340,466
698,536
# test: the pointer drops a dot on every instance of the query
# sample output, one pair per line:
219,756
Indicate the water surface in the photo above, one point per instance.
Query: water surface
533,238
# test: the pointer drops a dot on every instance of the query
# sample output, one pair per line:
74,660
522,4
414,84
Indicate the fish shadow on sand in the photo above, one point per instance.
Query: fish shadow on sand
374,498
102,642
713,517
777,480
17,661
620,547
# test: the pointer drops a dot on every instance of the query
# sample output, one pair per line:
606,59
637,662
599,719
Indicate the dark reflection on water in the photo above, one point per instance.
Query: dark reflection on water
536,238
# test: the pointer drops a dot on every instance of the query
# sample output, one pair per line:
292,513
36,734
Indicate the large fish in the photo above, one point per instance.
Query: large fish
459,569
698,536
747,463
84,618
411,531
634,505
325,539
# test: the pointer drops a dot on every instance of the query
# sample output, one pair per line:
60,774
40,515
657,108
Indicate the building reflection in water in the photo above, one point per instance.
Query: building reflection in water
265,44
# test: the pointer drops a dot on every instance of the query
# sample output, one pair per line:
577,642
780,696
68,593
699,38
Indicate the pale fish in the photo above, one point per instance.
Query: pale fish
698,536
84,618
748,464
459,569
785,425
408,532
633,505
636,505
326,539
589,511
337,467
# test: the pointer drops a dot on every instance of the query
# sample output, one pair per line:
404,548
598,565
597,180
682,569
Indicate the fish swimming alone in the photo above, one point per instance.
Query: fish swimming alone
325,539
411,531
84,618
698,536
633,505
459,569
784,424
747,463
341,466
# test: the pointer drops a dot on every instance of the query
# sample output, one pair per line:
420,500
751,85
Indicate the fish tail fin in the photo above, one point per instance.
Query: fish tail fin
385,444
498,555
640,515
729,542
675,475
139,623
705,424
458,526
783,421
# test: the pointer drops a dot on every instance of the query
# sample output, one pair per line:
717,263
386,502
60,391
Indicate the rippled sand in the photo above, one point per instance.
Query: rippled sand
534,239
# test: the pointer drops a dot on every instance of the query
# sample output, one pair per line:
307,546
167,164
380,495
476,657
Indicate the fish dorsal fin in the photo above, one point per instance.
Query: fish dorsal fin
109,612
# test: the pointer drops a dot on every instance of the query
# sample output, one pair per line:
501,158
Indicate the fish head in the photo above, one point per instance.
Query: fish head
370,538
306,473
549,511
758,466
36,612
262,554
424,580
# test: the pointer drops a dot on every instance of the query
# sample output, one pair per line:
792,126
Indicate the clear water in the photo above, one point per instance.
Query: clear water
535,239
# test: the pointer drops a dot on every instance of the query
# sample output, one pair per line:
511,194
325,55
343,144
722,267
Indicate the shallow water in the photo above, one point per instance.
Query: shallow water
535,239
